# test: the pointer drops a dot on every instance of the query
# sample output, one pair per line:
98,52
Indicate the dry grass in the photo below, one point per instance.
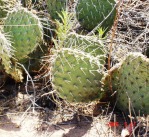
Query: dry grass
133,28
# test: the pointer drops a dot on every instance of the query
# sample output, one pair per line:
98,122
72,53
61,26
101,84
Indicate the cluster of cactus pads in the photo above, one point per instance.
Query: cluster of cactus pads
77,62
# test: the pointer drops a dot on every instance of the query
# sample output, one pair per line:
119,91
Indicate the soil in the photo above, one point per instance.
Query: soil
30,126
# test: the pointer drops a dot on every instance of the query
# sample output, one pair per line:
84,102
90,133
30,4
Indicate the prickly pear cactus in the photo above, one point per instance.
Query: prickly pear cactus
6,53
91,13
133,82
76,64
5,6
55,6
26,31
76,75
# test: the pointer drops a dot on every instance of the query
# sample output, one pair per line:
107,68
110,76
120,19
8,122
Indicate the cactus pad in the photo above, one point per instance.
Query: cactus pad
133,83
89,44
26,31
90,13
76,75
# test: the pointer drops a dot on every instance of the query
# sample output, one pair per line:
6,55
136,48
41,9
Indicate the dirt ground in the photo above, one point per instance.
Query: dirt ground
20,125
19,119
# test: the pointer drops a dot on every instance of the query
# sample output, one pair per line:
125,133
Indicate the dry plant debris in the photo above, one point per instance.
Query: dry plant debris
133,28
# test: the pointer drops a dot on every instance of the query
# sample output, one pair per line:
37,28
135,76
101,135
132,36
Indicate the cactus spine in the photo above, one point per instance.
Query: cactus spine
6,54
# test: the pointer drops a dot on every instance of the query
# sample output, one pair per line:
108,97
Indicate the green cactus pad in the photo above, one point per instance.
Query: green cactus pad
91,13
76,75
89,44
6,53
26,31
133,83
5,6
55,7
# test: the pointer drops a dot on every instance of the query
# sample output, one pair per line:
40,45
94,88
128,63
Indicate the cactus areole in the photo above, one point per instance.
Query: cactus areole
91,13
26,31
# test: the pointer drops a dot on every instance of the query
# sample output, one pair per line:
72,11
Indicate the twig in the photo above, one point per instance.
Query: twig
34,97
111,44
